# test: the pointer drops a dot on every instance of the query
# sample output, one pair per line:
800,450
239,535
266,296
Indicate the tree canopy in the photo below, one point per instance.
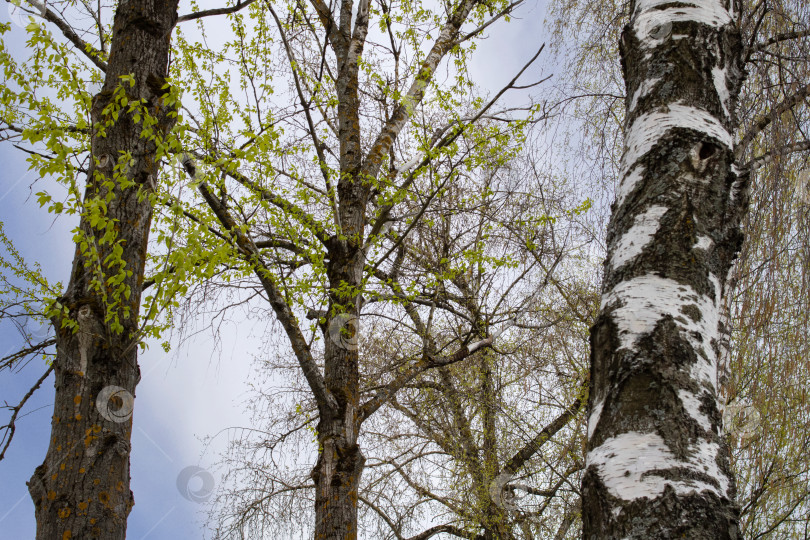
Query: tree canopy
424,248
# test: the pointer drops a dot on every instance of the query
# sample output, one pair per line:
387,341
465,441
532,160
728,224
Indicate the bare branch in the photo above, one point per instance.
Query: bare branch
11,427
211,12
426,363
780,38
766,120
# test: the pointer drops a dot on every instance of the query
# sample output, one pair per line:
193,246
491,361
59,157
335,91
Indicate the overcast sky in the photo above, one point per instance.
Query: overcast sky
186,395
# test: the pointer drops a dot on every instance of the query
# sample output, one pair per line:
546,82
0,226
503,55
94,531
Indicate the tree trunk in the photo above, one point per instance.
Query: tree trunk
656,463
82,488
340,463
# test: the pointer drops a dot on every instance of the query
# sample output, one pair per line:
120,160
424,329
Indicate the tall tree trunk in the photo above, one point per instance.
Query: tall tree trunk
341,462
656,465
82,488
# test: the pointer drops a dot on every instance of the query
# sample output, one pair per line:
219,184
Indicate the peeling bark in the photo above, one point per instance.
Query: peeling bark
82,488
656,464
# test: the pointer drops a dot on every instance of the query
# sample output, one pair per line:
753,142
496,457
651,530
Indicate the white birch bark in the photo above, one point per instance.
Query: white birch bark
656,465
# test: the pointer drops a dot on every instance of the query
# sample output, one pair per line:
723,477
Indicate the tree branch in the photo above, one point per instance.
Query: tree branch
85,48
426,363
403,111
11,427
211,12
326,401
532,447
780,38
768,118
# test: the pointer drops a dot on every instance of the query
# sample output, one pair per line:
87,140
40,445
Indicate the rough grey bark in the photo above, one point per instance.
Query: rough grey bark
656,464
82,488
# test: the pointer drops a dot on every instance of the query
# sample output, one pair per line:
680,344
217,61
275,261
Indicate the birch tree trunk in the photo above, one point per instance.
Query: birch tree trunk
656,464
82,488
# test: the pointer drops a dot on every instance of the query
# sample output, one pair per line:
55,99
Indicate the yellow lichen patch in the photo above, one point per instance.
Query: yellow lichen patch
104,497
51,495
96,482
53,478
78,417
62,467
92,521
77,399
89,440
96,428
67,535
120,486
82,471
82,505
64,513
